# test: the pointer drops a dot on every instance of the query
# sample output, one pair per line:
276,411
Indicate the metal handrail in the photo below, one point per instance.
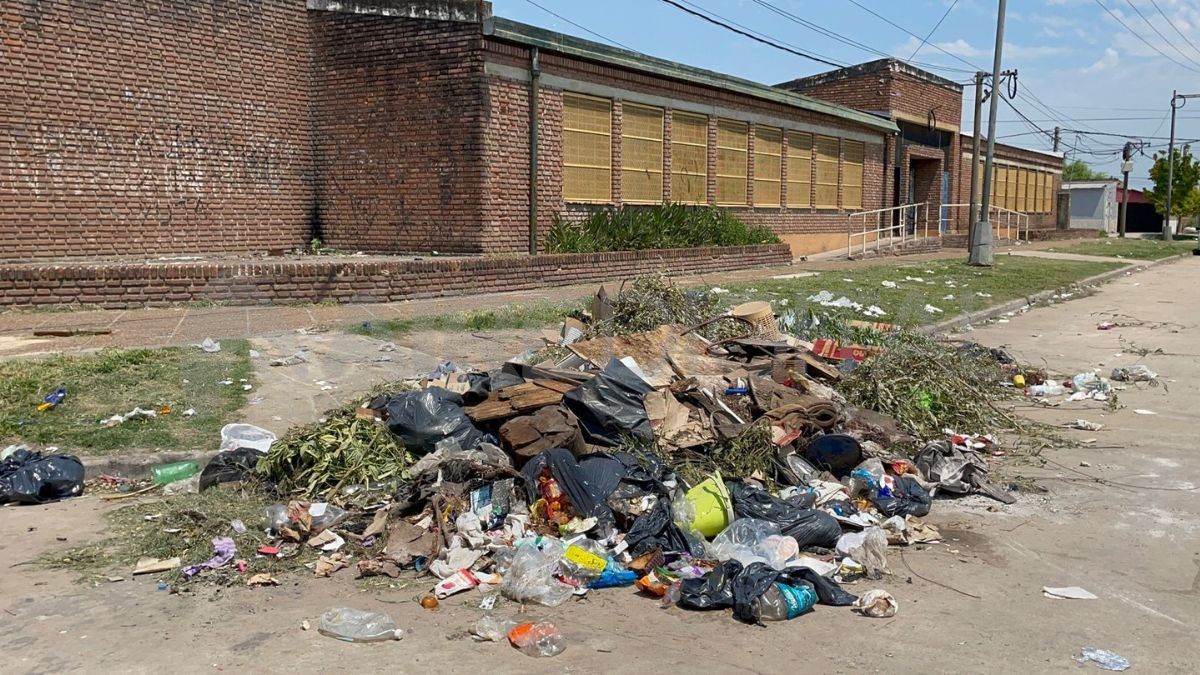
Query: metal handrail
909,215
1003,221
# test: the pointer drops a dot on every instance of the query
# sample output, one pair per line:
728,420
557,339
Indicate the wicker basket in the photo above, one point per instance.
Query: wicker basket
760,315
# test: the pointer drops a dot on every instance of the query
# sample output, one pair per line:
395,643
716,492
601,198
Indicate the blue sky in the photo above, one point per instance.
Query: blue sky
1075,60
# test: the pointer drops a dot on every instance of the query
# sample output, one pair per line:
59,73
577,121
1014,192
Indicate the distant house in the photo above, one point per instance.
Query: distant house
1142,217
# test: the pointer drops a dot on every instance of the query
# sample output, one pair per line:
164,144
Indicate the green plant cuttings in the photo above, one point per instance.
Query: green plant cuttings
630,228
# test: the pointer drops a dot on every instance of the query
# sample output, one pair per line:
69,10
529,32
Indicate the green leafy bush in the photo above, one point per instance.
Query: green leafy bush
630,228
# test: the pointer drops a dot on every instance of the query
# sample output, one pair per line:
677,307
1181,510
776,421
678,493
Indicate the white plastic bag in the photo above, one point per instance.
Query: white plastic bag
868,548
234,436
750,540
355,625
532,575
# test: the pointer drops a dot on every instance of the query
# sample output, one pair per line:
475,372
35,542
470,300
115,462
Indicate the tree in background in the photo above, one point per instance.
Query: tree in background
1077,169
1191,207
1186,178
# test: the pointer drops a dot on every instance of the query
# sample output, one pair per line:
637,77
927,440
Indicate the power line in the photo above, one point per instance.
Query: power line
837,36
580,27
747,28
1115,119
893,24
1158,32
1139,36
743,33
934,29
1176,28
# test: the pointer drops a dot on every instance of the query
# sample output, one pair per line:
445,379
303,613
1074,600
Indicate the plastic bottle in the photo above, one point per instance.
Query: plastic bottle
537,639
169,473
782,602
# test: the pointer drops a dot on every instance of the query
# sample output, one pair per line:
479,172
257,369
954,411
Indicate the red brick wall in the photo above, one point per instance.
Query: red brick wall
398,118
961,189
868,91
890,92
125,285
153,127
508,148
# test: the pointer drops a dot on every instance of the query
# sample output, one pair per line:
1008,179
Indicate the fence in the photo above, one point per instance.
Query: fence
892,226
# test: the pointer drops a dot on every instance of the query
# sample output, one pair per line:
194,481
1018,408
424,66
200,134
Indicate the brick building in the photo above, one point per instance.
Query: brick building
932,156
404,126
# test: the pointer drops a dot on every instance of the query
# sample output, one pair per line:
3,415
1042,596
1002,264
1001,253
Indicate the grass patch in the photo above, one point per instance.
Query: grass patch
198,518
631,228
505,317
1133,249
115,381
918,284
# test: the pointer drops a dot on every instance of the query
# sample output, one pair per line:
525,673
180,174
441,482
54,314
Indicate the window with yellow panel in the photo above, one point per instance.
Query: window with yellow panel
827,172
689,158
1021,179
732,162
641,154
1000,189
853,156
587,149
799,170
1012,189
768,166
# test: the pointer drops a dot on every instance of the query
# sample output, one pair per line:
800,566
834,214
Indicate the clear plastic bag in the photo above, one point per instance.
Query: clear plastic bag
234,436
495,628
1138,373
356,625
537,639
868,548
750,540
277,517
584,560
532,575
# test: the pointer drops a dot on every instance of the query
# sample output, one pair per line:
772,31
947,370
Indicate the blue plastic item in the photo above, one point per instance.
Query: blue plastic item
613,576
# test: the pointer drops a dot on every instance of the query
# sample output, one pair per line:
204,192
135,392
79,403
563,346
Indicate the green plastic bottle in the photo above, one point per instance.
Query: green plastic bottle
169,473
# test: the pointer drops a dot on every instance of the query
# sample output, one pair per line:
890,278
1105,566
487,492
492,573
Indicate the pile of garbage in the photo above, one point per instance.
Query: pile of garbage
707,473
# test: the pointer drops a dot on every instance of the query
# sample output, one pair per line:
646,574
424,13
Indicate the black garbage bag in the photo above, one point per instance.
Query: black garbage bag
481,386
908,499
836,453
586,481
711,591
28,478
758,577
609,406
424,418
231,467
656,530
810,527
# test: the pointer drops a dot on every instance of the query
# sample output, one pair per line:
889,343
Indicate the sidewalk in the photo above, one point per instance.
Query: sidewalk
191,324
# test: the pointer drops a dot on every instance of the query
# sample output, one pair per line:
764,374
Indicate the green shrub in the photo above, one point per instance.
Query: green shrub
631,228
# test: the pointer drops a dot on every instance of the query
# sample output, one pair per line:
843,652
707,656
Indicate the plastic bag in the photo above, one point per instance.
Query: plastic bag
809,527
750,541
356,625
325,516
609,406
587,481
584,560
712,591
230,467
1138,373
907,498
234,436
532,575
495,628
28,478
868,548
877,604
836,453
656,529
424,418
615,576
537,639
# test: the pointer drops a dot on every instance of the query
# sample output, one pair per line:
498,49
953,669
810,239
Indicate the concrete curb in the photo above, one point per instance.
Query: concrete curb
138,465
1041,296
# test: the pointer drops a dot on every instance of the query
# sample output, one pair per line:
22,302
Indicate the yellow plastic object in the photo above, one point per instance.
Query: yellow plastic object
1019,380
713,506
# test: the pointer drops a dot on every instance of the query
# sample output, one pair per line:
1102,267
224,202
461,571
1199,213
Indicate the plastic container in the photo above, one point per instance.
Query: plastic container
169,473
713,506
782,602
355,625
836,453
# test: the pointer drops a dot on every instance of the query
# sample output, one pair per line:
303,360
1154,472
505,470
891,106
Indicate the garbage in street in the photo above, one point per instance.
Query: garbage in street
658,448
1104,659
209,345
1068,593
53,399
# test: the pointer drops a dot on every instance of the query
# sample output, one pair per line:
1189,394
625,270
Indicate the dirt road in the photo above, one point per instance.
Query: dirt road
973,604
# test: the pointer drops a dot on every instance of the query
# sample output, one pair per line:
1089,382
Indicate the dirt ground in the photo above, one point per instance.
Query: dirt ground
972,604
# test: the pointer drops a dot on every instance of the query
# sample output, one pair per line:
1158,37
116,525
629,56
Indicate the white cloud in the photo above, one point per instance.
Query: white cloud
1110,60
962,48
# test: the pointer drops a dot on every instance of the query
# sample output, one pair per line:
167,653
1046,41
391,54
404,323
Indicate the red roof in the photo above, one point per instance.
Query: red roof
1135,196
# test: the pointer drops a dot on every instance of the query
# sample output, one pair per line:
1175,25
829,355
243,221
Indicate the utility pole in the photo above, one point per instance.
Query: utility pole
1057,136
973,212
1166,233
1126,167
981,252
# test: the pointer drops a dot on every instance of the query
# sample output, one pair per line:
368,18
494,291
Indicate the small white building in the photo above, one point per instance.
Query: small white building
1093,205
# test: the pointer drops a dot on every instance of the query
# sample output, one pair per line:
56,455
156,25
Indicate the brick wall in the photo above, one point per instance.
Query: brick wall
961,188
153,127
868,91
398,108
124,285
508,148
886,88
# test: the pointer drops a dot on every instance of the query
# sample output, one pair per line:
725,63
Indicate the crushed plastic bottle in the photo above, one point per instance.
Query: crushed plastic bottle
169,473
782,602
355,625
537,639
